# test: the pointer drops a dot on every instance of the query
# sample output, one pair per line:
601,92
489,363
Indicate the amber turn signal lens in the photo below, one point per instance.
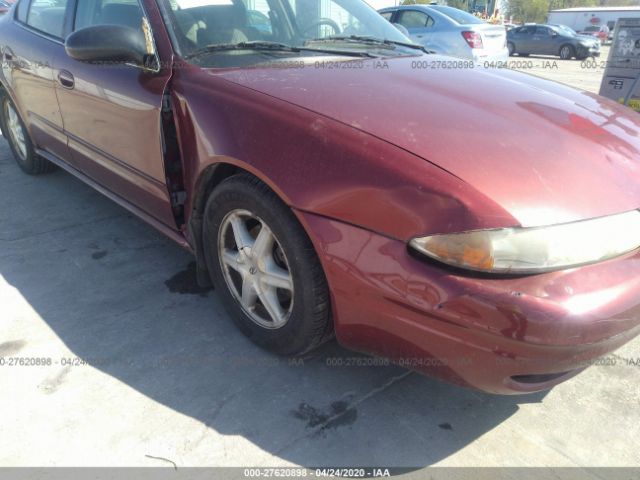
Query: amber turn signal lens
534,250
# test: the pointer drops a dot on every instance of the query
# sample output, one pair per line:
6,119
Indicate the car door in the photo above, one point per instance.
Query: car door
558,38
112,115
419,24
34,44
544,38
524,39
540,40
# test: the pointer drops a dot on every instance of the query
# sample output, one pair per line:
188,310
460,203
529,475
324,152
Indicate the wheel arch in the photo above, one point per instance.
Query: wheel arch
8,92
571,47
206,182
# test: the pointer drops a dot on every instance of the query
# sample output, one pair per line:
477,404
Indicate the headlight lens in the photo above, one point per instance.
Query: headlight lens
534,250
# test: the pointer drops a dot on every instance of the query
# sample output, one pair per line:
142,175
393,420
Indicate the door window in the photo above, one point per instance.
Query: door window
387,15
526,30
414,19
48,16
108,12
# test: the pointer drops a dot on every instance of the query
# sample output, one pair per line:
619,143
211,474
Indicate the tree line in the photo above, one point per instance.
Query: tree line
536,10
531,10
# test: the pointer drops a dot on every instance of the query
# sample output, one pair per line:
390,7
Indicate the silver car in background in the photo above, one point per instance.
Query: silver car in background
450,31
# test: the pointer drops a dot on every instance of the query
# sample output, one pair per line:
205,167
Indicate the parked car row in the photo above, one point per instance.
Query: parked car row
456,33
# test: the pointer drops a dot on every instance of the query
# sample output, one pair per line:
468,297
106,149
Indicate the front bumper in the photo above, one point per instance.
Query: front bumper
500,335
483,57
591,51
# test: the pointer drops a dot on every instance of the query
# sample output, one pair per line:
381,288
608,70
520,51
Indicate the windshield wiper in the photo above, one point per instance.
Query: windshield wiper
371,41
270,47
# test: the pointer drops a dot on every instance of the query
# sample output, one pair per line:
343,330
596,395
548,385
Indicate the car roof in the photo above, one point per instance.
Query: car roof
549,25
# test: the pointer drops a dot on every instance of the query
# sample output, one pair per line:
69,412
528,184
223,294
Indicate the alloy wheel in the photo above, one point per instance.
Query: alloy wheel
565,52
16,131
255,269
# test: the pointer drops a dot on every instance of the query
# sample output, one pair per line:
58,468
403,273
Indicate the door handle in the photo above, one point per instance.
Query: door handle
66,79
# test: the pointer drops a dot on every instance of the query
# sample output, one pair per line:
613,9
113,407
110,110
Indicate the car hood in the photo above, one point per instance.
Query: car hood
587,38
545,152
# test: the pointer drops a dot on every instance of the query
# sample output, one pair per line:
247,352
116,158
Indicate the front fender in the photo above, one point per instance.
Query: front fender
318,165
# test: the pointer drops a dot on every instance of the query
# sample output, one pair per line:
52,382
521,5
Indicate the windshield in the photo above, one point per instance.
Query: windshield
228,33
566,30
458,16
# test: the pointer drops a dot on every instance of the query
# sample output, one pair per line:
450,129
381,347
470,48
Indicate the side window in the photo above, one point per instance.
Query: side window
543,31
259,18
22,11
127,13
259,21
387,15
414,19
47,16
334,19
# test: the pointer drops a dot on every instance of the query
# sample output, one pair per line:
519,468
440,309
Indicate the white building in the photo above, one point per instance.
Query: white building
581,17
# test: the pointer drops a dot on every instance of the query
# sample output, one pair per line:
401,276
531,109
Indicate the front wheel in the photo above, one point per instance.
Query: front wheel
265,268
19,141
567,52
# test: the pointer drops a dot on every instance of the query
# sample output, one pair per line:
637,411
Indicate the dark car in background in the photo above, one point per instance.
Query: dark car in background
551,40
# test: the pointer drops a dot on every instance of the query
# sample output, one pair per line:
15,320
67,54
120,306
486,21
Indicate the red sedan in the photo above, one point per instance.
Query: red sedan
332,178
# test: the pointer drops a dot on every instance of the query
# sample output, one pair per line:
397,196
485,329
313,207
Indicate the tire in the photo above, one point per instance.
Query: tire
21,145
512,48
241,206
567,52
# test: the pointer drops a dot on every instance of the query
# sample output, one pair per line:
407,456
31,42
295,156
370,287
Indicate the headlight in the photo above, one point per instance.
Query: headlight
534,250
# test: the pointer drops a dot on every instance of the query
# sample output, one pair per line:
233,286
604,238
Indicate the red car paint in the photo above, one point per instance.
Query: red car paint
368,159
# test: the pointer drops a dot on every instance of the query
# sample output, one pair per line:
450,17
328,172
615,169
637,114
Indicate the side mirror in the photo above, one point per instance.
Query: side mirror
107,43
